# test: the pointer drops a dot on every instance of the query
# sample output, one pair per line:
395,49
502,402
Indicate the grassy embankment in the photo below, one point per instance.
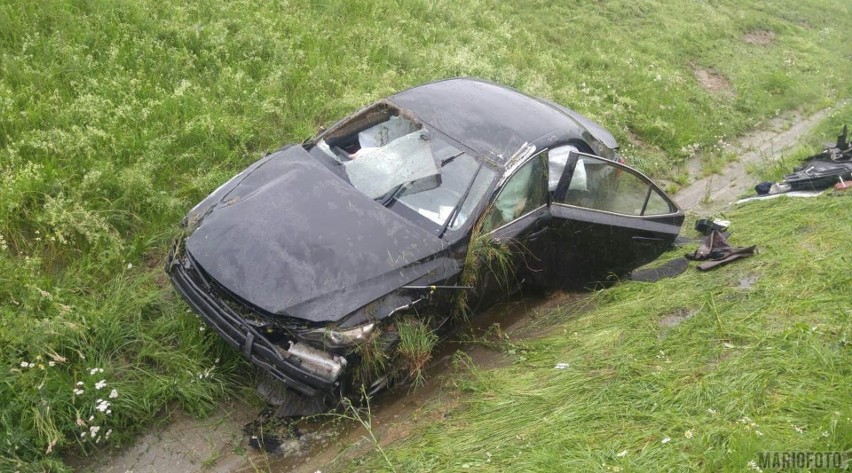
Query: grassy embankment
116,117
696,373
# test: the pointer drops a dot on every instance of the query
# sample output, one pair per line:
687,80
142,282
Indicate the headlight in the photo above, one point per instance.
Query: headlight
338,338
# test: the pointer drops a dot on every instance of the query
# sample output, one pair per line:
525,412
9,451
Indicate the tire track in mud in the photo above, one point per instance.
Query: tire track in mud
218,444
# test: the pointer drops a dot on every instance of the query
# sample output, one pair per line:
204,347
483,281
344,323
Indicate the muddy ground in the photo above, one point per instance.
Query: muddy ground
218,443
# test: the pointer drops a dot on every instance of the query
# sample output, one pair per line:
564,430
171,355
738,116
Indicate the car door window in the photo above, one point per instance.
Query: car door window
603,185
525,191
557,158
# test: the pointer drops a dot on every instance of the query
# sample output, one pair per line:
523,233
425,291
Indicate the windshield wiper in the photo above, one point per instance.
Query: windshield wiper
458,206
392,194
450,158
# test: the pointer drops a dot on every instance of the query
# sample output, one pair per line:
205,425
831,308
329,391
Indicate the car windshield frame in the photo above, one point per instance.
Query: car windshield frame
423,201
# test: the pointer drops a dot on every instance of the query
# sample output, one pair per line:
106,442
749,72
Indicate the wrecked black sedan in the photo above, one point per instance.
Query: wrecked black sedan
331,265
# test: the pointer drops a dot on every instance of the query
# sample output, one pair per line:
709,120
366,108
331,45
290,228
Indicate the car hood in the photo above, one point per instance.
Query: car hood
294,239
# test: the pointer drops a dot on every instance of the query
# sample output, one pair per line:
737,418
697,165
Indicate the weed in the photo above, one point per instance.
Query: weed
373,356
365,418
485,258
416,342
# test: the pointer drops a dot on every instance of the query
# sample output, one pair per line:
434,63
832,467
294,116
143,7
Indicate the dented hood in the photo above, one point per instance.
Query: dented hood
293,239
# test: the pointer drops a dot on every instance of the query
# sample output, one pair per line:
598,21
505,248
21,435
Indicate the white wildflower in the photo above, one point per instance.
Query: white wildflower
129,265
797,428
95,371
78,391
752,465
711,411
79,383
100,384
113,394
621,454
825,434
101,405
688,434
93,430
108,433
667,440
25,364
51,363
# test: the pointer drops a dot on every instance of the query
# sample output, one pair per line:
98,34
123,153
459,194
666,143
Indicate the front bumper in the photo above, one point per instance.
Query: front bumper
303,368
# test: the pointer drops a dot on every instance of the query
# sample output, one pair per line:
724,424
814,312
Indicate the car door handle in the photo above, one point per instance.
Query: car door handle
642,239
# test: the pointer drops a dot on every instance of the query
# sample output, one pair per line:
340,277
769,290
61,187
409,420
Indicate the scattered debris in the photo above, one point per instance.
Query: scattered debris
669,269
270,433
843,185
706,225
785,194
716,251
823,170
561,366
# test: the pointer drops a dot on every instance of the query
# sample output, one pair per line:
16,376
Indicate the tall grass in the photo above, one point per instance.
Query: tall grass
117,116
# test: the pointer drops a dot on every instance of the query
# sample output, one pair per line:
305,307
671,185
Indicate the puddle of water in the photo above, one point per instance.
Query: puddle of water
747,282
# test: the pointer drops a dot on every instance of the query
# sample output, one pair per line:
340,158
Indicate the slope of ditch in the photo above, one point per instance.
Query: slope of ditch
219,444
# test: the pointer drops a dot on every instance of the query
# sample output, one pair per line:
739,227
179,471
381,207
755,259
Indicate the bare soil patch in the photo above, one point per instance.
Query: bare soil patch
712,81
759,37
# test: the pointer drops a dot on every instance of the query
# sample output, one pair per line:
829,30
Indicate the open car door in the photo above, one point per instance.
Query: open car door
516,228
607,219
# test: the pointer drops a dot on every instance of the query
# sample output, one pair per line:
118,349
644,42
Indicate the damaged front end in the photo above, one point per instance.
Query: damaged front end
275,348
316,365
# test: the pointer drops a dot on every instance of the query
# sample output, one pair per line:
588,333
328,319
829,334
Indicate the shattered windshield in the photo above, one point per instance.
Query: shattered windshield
403,165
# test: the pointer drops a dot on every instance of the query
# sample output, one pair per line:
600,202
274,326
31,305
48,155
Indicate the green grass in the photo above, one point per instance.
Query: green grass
117,116
723,372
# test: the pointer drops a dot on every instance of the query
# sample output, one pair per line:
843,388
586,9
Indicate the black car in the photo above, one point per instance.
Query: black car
326,247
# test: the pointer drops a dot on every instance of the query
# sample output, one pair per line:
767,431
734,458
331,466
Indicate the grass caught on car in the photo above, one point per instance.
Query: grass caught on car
116,117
